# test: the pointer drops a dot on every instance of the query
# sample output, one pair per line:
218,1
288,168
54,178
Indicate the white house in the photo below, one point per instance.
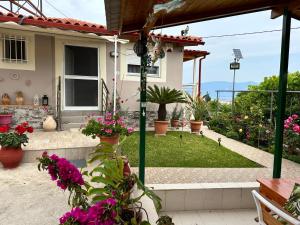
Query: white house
68,60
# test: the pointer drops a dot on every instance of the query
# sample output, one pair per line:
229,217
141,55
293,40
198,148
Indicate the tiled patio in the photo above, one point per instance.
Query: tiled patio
72,144
215,217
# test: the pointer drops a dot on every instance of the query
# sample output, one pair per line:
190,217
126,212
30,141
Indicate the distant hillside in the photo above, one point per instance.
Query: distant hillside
211,88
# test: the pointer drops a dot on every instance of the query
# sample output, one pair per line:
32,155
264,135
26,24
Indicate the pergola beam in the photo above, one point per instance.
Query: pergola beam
281,100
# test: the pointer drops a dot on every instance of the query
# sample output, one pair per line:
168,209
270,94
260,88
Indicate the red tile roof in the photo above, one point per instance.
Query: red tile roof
189,54
86,27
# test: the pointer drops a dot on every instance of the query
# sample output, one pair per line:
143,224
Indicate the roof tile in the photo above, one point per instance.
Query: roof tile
83,26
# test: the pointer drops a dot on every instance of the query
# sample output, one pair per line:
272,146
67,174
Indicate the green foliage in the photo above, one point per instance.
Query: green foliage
13,140
92,129
232,134
197,107
108,126
164,96
176,114
164,220
109,171
244,101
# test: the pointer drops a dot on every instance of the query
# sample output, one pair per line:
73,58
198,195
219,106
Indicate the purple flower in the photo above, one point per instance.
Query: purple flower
64,172
75,215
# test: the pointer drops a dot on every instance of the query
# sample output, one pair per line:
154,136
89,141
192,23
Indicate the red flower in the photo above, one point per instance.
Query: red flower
29,129
25,124
3,129
20,129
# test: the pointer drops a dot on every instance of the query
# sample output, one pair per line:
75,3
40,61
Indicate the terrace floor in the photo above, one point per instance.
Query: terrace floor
214,217
65,141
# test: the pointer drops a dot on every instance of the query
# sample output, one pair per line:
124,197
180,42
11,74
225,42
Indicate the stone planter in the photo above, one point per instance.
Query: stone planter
161,127
11,157
113,140
195,126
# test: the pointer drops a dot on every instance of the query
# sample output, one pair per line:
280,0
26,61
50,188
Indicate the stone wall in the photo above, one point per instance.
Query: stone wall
132,118
32,114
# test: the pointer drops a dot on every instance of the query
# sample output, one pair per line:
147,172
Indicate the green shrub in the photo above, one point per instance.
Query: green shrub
233,135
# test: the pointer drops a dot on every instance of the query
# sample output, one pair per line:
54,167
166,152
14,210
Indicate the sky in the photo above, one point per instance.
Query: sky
261,52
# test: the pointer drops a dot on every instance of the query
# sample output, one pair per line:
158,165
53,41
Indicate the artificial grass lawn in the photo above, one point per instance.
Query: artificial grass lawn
192,151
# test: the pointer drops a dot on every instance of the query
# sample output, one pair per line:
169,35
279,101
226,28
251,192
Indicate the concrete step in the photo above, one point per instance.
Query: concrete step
73,119
80,112
69,126
74,153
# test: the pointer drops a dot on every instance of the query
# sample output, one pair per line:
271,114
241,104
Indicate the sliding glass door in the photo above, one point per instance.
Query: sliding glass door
81,78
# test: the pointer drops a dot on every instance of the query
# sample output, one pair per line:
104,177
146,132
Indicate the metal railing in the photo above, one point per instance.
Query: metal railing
272,95
105,96
58,105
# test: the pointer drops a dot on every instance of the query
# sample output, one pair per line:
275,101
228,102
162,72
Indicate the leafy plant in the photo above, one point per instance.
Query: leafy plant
163,96
164,220
17,138
197,107
108,126
176,114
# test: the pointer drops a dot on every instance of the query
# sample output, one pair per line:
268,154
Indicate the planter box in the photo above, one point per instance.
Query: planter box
5,119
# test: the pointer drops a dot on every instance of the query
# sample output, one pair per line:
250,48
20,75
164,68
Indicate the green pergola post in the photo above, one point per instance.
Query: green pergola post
281,99
143,86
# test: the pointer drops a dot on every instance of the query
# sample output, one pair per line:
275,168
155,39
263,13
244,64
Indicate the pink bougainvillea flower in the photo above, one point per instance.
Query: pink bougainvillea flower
296,128
295,116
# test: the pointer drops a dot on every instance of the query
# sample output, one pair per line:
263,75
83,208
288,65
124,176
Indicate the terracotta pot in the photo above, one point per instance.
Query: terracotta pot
175,123
113,140
11,157
5,119
161,127
195,126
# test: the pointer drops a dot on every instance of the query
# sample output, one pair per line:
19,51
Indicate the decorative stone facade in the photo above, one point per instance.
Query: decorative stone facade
32,114
132,118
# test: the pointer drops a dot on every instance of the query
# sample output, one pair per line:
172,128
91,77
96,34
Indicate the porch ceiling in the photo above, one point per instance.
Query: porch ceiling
125,16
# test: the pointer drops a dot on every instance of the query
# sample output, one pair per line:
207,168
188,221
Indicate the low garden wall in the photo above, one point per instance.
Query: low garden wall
33,114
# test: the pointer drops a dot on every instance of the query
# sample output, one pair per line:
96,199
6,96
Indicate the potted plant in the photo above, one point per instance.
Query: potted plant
5,119
108,129
175,116
198,109
11,153
163,96
107,196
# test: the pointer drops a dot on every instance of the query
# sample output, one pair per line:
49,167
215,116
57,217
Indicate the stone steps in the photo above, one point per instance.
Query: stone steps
73,153
76,119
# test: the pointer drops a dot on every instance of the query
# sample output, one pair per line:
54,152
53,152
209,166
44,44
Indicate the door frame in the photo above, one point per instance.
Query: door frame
80,108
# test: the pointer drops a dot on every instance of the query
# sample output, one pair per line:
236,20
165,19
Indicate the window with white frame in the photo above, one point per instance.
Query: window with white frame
134,65
14,48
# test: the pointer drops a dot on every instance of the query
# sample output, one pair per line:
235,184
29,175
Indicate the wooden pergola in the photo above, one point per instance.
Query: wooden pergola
127,16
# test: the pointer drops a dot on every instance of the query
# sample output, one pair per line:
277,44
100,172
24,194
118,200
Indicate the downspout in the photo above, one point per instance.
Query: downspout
200,75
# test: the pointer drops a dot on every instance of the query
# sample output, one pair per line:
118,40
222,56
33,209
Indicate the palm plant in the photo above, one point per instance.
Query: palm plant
164,96
197,107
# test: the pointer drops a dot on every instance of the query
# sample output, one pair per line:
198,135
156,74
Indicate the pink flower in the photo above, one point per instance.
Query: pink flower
109,131
130,130
296,128
295,116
